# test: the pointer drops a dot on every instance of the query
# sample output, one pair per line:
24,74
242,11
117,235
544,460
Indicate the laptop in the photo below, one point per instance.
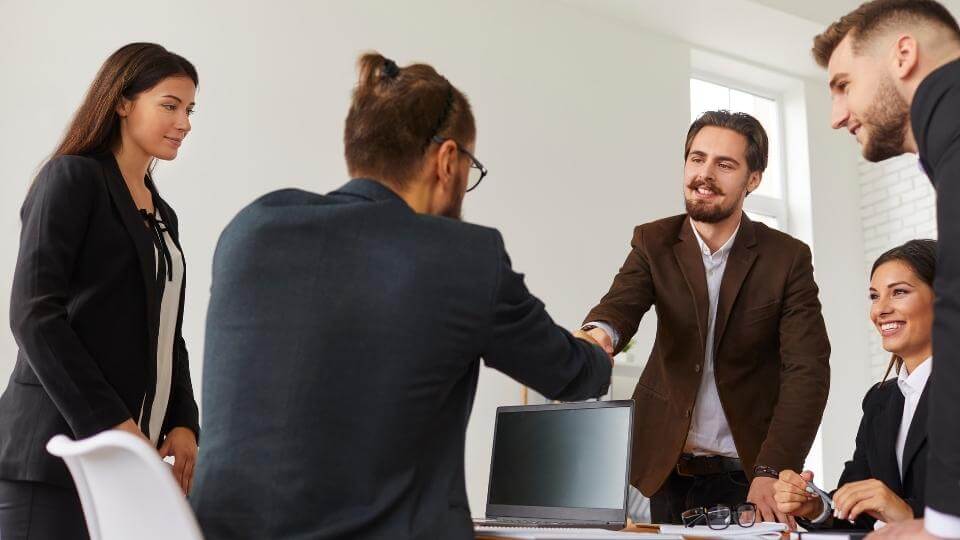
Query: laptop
560,466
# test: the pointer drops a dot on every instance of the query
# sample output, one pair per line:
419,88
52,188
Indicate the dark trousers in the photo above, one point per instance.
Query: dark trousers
38,511
681,493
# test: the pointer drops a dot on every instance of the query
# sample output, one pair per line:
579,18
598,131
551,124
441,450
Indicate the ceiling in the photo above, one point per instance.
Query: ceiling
772,33
827,11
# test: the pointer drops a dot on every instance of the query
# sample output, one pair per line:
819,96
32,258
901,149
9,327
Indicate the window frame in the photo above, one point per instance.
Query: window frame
775,207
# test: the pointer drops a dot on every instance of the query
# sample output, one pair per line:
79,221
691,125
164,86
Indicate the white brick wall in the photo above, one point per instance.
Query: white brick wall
896,205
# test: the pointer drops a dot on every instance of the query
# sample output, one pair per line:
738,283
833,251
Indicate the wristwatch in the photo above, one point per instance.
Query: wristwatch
763,470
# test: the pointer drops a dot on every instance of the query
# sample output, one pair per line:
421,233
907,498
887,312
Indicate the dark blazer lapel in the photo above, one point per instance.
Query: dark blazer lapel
687,253
917,435
887,426
143,242
138,232
739,262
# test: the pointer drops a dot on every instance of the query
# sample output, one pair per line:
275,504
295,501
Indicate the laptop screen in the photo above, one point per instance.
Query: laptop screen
568,455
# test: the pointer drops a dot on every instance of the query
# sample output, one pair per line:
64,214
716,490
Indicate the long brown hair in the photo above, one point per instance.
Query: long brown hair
132,69
921,257
396,112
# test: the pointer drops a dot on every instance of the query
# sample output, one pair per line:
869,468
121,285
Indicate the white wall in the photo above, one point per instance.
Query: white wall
581,121
897,203
841,276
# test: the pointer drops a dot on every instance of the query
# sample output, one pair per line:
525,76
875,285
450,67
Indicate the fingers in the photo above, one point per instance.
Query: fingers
164,450
188,474
793,479
850,494
807,476
864,505
179,466
789,502
766,512
784,518
791,489
602,339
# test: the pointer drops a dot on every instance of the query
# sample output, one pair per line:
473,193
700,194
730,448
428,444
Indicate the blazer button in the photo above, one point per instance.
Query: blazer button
696,367
687,413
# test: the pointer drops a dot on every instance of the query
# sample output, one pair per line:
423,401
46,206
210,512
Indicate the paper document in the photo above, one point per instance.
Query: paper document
760,530
559,533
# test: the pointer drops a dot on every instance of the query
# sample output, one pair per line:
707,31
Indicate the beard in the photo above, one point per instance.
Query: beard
454,207
888,121
706,212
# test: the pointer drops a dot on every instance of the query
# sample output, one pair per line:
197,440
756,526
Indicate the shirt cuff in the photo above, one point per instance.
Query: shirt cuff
614,336
825,513
941,524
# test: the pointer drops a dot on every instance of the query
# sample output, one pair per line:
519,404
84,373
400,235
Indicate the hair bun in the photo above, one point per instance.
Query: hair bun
390,68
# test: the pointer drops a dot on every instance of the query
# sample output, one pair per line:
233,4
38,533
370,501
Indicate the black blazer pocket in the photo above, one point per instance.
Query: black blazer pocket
761,313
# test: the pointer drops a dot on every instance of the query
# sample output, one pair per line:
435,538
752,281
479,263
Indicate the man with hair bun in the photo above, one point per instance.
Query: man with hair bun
345,333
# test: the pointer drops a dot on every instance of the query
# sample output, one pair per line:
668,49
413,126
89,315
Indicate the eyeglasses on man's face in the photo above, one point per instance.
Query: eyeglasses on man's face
477,170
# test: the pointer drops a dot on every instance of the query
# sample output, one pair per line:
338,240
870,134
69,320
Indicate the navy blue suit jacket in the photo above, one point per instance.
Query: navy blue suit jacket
343,344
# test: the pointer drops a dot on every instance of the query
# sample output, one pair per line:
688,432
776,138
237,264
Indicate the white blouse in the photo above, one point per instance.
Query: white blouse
166,337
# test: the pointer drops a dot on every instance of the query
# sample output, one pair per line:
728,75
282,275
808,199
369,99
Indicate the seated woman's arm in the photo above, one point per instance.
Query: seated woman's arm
856,487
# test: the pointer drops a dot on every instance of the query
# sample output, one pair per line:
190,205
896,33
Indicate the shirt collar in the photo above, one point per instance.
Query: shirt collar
915,382
724,249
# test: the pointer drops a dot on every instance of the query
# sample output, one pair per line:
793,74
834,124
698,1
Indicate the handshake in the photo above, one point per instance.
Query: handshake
598,337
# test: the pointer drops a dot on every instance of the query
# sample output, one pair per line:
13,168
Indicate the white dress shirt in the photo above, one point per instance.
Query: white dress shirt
911,386
709,431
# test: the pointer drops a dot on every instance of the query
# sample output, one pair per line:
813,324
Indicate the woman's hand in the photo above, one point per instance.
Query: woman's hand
181,443
132,428
790,492
873,498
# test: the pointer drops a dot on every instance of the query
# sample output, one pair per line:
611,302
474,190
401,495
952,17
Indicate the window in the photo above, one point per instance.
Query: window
768,203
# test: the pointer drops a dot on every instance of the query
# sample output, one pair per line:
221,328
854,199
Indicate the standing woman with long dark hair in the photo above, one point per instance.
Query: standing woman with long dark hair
97,301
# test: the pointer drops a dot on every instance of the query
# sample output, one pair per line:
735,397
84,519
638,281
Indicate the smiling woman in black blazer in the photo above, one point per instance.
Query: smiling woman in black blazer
885,479
97,301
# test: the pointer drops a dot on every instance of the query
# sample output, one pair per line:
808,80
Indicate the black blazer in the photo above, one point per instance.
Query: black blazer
343,343
876,457
935,115
85,313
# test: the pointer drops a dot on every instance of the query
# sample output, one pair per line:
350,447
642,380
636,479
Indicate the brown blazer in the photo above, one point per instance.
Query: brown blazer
772,353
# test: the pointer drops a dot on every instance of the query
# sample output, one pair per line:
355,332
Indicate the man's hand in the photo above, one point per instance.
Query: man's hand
181,443
790,492
598,337
872,497
761,494
911,529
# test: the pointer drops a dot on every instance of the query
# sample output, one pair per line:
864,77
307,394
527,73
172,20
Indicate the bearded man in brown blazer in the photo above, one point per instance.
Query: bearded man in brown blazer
738,377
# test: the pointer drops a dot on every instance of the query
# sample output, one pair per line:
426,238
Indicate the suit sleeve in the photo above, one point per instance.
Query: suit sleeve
630,295
527,345
55,216
804,371
857,469
943,476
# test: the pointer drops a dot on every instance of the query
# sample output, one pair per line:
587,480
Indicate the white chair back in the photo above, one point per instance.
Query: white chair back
126,490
